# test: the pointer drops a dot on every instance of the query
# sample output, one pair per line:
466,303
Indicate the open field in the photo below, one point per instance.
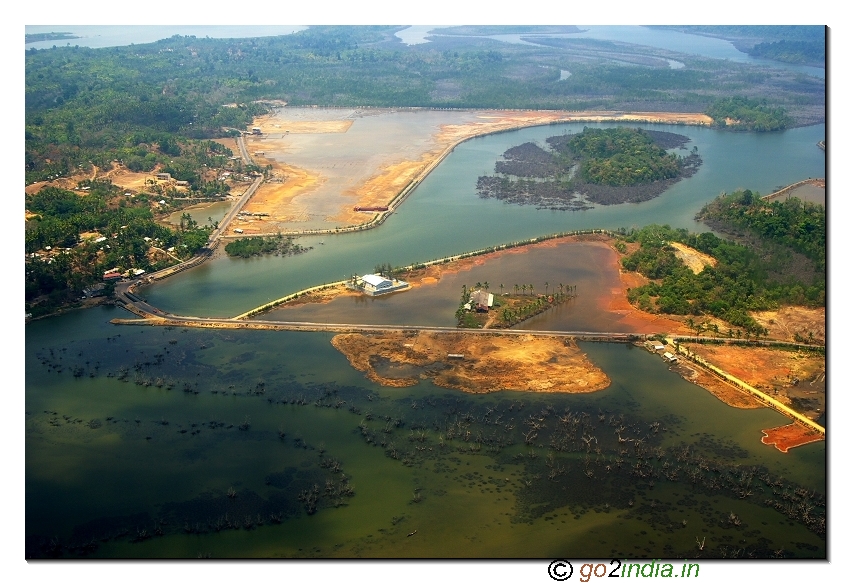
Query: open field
793,377
473,363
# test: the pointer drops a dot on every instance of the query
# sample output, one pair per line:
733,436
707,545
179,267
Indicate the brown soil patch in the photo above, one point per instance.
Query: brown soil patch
781,374
269,124
788,436
126,179
633,319
490,363
275,197
695,260
322,296
119,176
784,323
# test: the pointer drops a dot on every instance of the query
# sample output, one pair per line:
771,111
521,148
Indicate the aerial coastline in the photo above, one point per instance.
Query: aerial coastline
496,293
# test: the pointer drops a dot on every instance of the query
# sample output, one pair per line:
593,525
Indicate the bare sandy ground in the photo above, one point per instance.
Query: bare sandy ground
695,260
773,371
490,363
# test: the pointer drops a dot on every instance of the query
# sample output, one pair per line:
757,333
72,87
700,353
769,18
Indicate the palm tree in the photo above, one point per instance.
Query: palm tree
501,289
524,287
478,285
547,288
531,288
459,314
516,288
486,286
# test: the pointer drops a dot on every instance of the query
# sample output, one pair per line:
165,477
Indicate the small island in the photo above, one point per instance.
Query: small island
253,246
610,166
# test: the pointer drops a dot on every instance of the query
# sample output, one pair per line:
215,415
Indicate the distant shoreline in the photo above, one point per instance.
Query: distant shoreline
46,36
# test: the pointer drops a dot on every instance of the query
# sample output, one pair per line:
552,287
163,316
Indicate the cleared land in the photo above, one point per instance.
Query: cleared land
695,260
794,377
473,364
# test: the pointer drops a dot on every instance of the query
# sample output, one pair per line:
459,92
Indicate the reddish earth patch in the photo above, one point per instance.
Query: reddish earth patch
788,436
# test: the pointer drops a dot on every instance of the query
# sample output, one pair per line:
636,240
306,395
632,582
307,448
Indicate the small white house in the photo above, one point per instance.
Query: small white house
670,357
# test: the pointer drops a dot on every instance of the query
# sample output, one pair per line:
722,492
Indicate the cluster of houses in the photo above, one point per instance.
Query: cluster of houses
115,274
657,347
166,176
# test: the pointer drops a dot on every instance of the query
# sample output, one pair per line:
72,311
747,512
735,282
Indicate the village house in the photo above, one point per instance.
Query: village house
480,300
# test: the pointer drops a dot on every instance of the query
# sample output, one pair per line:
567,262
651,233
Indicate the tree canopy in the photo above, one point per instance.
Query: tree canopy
746,276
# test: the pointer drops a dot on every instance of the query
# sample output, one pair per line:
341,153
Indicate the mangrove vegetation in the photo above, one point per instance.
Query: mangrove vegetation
603,166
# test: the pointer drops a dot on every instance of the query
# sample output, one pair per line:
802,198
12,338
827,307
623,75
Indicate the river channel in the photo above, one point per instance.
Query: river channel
182,443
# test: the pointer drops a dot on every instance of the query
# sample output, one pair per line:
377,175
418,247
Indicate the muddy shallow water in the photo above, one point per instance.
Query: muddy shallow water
345,159
575,264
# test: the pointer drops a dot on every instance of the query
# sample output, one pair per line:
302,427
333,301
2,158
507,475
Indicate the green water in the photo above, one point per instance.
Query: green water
155,442
112,463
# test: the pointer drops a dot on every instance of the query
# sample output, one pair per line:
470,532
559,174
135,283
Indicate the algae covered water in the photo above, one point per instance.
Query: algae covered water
156,442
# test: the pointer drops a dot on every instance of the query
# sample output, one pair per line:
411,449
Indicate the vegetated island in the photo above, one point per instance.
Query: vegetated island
253,246
610,166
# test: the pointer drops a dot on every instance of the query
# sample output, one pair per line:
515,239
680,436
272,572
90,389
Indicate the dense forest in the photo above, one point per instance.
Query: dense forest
782,262
608,166
621,157
89,106
743,114
790,51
